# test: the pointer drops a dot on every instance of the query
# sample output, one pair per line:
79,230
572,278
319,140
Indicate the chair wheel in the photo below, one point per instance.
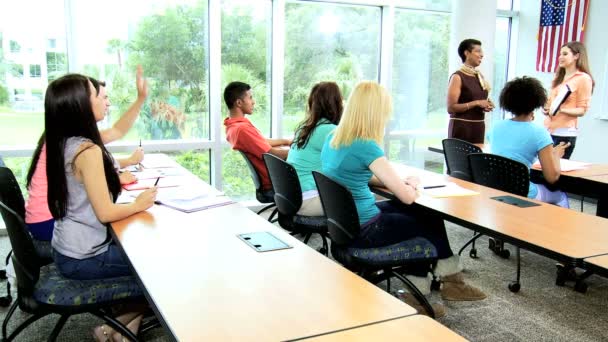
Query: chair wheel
473,253
6,300
322,250
505,254
581,286
514,287
435,285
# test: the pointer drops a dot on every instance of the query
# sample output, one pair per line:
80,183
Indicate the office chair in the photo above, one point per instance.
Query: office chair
288,199
17,203
261,195
456,152
373,264
507,175
42,290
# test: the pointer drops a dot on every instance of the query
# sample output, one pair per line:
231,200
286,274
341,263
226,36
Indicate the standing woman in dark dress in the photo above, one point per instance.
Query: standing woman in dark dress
468,96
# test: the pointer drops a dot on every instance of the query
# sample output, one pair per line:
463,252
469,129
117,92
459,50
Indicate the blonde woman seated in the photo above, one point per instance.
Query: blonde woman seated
323,113
353,157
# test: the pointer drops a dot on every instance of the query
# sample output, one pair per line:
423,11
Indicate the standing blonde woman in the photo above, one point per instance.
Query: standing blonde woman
468,95
573,72
353,157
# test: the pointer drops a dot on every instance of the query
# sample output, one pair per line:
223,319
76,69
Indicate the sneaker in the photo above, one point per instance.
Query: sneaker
454,288
410,300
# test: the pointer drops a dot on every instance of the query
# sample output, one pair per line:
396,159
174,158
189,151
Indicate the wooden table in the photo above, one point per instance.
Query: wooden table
597,264
562,234
412,328
580,182
205,284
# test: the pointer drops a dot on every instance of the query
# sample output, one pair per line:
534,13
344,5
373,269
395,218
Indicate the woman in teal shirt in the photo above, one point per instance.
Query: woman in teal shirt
323,113
352,156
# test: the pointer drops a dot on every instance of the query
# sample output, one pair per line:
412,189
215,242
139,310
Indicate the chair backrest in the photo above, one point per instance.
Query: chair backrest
285,184
500,173
340,209
456,152
25,258
254,173
11,192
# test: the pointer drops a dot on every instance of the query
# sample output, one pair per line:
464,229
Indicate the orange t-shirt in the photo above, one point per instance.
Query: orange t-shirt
580,84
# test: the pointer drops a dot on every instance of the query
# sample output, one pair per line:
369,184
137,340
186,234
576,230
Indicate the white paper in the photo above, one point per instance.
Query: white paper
567,165
449,190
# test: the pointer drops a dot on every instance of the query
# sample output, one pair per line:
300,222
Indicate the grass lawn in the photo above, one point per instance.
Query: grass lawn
20,128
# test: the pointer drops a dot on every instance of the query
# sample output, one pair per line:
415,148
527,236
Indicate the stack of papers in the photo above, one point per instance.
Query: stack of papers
190,200
566,165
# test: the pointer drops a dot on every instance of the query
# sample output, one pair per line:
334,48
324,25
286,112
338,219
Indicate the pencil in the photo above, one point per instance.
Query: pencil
156,183
433,186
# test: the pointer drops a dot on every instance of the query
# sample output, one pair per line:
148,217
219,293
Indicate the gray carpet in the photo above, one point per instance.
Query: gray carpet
541,311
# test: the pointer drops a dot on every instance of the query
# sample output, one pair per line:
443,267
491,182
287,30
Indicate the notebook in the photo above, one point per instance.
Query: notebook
190,200
561,96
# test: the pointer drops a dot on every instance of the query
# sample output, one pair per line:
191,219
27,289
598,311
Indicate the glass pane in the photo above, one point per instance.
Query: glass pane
170,40
419,86
19,166
24,66
501,54
195,161
235,176
327,42
246,49
439,5
504,4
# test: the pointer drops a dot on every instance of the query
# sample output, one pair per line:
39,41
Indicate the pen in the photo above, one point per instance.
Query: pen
433,186
156,183
139,142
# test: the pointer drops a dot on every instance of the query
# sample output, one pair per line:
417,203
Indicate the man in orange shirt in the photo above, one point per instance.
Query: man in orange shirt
244,136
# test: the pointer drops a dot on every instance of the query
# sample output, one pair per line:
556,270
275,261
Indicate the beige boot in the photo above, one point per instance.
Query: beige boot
410,300
454,288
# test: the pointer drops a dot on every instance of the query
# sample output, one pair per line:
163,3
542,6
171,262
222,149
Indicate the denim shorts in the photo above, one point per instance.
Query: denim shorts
109,264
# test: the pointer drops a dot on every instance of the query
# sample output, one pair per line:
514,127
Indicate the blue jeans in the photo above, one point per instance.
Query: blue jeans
109,264
398,222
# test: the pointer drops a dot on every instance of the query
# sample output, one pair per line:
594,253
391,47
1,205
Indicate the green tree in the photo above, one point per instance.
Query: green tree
117,46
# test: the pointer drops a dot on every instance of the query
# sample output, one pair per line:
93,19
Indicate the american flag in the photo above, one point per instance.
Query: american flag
561,21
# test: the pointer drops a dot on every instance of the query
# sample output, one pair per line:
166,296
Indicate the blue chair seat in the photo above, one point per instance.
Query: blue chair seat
319,222
413,250
53,288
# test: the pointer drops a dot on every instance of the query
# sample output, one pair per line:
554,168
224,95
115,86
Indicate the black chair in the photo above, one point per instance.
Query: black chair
288,199
456,153
507,175
17,203
261,195
374,264
42,290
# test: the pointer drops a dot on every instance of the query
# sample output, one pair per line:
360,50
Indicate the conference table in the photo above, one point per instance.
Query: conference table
597,264
411,328
558,233
204,283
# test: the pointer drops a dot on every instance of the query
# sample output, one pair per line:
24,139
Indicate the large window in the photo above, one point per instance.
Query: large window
169,39
327,42
419,84
246,49
501,59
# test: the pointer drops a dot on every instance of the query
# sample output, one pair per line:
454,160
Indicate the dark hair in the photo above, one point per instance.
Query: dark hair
523,95
234,91
324,101
467,45
582,63
68,113
36,156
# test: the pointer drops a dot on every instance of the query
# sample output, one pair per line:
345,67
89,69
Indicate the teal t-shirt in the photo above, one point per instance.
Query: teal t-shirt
521,141
308,159
349,166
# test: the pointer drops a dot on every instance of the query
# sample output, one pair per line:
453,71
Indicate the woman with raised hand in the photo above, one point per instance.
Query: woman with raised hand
323,113
82,189
353,157
572,72
468,99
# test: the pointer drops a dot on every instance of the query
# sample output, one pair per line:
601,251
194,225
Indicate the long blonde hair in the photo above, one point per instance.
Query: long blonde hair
367,111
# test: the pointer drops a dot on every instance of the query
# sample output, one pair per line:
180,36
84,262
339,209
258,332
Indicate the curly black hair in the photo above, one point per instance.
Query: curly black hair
523,95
